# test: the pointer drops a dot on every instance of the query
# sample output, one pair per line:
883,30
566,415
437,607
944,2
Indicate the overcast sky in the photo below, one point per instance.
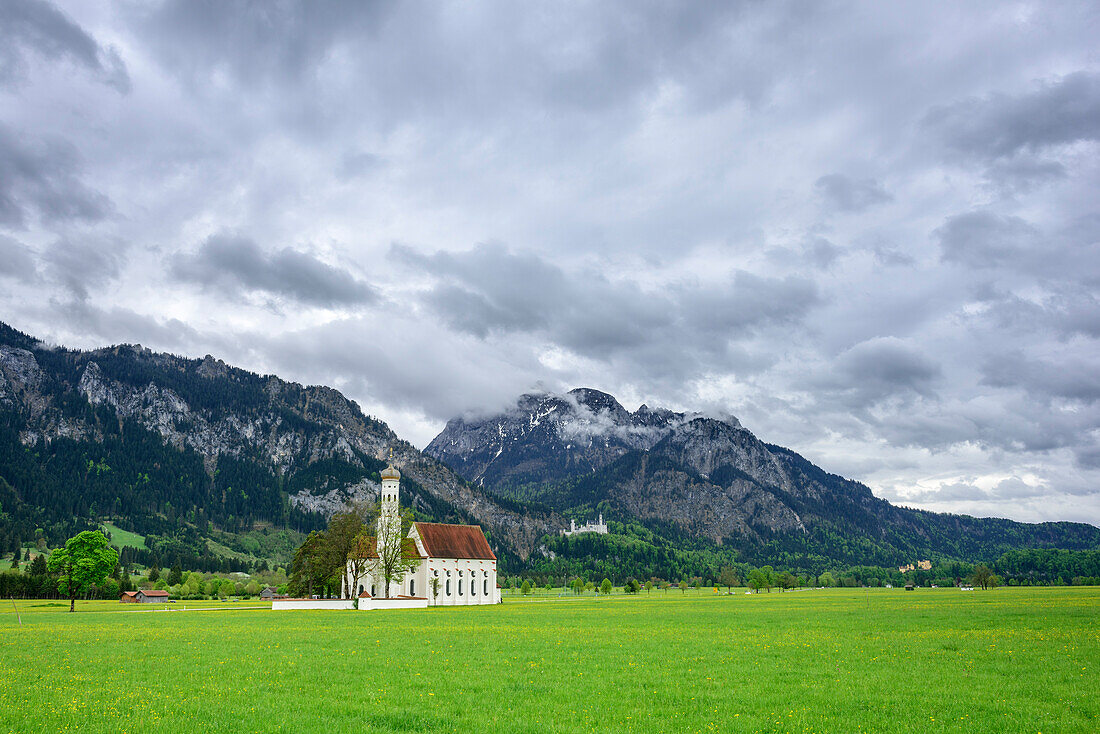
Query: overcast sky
870,231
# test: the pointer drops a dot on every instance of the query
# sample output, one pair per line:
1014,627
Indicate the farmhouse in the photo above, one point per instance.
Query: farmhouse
151,596
270,592
456,567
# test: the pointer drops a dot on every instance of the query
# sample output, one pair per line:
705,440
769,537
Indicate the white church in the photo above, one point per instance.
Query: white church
457,558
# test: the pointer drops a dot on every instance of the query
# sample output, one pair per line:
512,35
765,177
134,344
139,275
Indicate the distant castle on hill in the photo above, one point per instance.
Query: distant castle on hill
591,527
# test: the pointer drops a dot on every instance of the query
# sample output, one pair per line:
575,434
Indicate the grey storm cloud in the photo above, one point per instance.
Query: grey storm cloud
16,260
1002,125
881,368
1020,137
849,194
44,177
983,239
84,265
491,289
1068,379
885,258
35,26
234,262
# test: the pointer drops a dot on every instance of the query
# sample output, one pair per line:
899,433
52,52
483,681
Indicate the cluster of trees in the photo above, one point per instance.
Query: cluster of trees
354,541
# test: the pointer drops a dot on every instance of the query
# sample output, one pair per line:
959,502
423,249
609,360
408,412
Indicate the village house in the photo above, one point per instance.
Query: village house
456,567
151,596
270,593
128,597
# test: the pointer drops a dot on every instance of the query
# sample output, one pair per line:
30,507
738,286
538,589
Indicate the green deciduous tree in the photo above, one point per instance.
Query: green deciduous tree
728,577
344,544
982,576
605,586
86,559
395,555
526,588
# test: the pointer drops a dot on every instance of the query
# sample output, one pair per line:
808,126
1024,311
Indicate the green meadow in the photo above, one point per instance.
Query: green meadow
836,660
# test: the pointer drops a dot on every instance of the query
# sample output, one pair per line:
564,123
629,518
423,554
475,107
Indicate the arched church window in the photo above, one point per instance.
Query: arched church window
448,587
360,589
460,586
412,587
486,587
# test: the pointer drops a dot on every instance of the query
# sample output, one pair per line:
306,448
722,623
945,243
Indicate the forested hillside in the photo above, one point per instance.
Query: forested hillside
202,459
688,492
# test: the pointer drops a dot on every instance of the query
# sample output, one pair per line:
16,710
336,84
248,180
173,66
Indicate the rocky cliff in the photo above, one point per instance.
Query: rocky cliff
256,438
708,478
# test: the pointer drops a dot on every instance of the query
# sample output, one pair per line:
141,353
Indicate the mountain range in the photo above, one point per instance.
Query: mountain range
206,461
203,458
708,478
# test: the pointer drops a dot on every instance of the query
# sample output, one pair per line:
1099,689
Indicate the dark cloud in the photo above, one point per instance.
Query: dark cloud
44,177
791,212
1071,379
851,195
983,239
80,266
35,26
1000,126
233,262
1019,137
882,368
16,260
259,44
492,290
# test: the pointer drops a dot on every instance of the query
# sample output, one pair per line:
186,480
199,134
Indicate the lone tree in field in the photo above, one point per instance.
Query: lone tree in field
605,587
728,577
87,559
982,576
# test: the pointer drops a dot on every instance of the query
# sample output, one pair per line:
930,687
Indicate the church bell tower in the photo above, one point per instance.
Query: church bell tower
390,515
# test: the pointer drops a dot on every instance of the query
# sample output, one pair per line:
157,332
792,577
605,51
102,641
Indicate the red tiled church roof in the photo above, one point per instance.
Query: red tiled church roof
454,541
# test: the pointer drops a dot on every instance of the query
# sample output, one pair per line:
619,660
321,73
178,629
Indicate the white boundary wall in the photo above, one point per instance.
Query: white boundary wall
372,604
285,604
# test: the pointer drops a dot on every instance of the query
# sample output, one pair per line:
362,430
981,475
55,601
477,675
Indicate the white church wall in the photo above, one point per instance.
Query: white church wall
287,604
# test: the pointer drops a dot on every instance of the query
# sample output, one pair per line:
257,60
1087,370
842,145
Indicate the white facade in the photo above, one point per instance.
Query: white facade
465,576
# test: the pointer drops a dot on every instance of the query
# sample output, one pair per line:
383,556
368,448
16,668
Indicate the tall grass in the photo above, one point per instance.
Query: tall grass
1010,660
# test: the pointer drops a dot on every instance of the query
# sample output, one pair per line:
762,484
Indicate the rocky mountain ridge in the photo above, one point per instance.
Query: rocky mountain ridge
708,478
274,437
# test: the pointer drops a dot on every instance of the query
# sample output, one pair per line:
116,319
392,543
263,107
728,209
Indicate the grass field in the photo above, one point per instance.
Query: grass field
882,660
124,538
